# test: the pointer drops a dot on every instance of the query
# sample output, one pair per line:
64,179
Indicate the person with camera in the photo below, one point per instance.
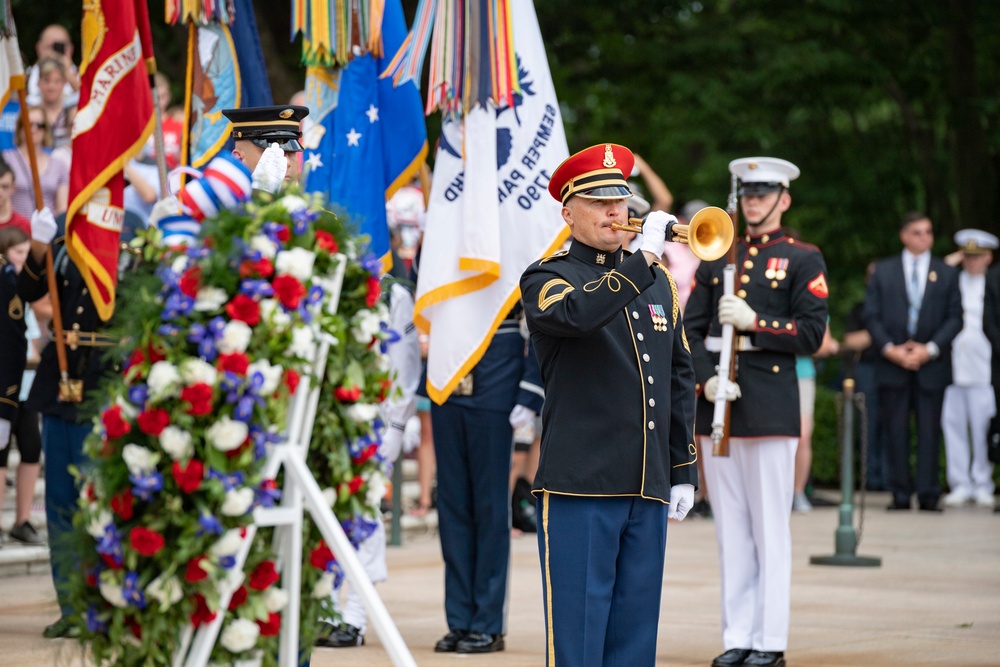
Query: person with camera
55,43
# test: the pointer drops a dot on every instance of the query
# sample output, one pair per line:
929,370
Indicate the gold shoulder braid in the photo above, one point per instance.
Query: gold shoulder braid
561,253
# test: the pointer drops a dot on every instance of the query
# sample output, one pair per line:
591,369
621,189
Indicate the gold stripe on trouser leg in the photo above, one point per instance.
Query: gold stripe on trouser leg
548,581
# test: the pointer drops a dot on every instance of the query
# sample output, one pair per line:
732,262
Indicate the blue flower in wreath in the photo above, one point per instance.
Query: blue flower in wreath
94,623
209,525
145,487
110,545
132,592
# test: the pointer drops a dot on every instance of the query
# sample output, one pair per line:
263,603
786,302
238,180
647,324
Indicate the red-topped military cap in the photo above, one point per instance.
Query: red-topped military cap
598,172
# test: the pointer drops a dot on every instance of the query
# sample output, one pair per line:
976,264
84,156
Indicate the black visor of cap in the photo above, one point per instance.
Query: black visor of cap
759,188
606,192
285,144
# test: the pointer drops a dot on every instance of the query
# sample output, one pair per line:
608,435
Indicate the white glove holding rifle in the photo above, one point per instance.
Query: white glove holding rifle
712,390
43,226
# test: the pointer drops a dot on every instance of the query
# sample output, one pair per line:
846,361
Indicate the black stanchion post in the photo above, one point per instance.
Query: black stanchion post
846,538
395,525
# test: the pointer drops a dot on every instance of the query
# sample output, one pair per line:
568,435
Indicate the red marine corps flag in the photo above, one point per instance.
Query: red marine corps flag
113,121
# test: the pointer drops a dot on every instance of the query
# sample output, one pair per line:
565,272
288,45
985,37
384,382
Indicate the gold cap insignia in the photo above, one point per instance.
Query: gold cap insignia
609,157
287,113
752,165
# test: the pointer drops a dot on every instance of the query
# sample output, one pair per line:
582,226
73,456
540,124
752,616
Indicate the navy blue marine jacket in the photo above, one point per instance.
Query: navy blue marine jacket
13,342
618,418
784,281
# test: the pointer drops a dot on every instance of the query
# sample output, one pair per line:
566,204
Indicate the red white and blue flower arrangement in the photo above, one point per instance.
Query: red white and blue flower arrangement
218,334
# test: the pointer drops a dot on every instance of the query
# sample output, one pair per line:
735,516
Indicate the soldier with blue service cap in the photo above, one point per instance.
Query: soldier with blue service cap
267,142
969,402
779,311
617,453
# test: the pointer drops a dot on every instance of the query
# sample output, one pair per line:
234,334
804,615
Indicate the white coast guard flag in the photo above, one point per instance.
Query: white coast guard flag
11,68
489,215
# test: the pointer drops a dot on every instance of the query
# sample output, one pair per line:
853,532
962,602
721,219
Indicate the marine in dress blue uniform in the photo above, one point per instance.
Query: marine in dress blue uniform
779,311
617,445
473,444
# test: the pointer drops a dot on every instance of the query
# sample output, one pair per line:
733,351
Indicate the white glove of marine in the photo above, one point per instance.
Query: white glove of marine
43,226
521,416
270,170
392,444
712,389
654,232
734,310
411,434
4,434
167,207
681,501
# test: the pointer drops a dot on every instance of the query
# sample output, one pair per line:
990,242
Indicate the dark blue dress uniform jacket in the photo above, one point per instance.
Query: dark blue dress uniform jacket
619,383
12,342
784,281
84,362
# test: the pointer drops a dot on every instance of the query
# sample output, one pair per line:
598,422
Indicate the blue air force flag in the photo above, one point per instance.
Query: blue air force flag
490,215
369,137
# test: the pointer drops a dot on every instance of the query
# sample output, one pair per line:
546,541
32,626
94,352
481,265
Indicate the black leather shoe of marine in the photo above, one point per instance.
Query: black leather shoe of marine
447,643
480,642
734,657
342,636
765,659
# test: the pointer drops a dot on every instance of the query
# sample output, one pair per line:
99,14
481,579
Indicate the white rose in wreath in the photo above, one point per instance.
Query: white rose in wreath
240,635
323,586
138,459
227,434
166,590
330,495
275,599
271,374
129,410
362,412
270,312
228,544
235,337
210,298
264,245
366,325
97,524
164,381
296,262
196,370
376,489
237,502
293,204
111,589
303,342
176,442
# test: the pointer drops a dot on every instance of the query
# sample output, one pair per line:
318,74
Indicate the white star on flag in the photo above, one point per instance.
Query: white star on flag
352,137
372,113
314,161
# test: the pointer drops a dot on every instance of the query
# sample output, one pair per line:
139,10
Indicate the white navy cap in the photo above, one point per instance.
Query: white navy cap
975,241
760,175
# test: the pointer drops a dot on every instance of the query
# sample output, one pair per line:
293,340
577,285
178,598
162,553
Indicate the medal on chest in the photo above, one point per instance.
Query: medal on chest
777,268
659,317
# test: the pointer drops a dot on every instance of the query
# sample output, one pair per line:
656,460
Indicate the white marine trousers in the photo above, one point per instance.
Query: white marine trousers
965,421
751,496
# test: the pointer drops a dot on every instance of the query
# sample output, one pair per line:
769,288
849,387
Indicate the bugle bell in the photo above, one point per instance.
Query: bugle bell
709,234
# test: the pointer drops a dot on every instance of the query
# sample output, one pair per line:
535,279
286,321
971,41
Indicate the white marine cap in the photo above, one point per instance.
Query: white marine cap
760,175
975,241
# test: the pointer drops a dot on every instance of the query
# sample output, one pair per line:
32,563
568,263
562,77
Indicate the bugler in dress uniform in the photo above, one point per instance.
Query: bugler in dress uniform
617,444
779,311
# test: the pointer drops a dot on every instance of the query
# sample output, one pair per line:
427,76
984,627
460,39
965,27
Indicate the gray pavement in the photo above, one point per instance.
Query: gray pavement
934,601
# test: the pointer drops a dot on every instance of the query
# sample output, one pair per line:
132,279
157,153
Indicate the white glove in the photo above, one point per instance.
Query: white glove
270,170
521,416
681,501
654,232
734,310
712,389
43,226
392,444
4,434
167,207
411,434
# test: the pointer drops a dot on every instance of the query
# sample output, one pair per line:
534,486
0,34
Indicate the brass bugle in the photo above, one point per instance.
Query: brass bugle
709,234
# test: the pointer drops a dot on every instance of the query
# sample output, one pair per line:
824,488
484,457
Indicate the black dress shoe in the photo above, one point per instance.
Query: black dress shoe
765,659
341,636
898,505
479,642
60,629
930,507
734,657
447,643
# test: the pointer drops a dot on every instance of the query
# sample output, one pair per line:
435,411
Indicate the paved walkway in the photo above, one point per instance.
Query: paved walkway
934,602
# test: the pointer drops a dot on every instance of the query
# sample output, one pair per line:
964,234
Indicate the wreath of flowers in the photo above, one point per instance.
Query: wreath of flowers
217,336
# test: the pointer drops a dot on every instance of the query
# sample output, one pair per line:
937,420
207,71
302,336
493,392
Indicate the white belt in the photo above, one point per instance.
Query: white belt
743,344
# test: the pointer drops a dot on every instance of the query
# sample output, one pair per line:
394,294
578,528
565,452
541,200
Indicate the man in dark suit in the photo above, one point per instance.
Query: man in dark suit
913,311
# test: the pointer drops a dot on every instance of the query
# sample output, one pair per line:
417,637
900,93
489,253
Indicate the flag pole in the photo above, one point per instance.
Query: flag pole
29,142
161,154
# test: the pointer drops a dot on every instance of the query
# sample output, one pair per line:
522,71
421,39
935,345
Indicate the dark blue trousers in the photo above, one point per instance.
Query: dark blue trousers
473,449
62,442
602,574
